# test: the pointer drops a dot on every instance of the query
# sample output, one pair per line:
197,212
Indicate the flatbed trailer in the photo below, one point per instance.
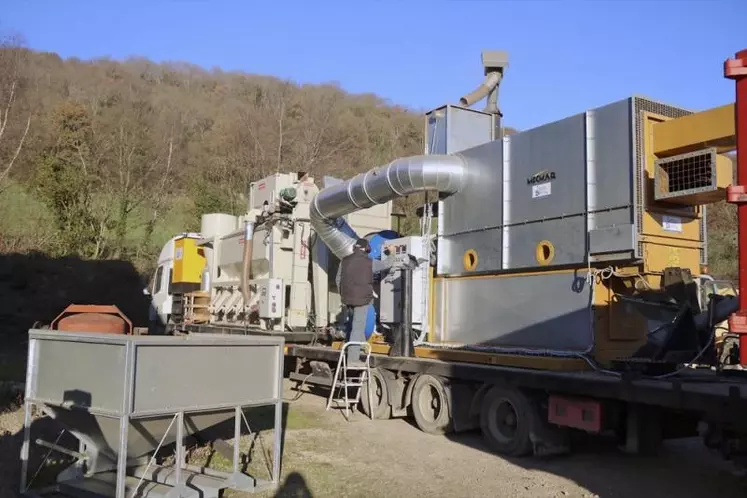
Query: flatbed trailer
297,337
531,403
625,382
543,406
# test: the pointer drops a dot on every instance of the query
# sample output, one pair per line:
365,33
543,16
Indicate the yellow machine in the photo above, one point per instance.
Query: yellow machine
189,263
178,274
576,241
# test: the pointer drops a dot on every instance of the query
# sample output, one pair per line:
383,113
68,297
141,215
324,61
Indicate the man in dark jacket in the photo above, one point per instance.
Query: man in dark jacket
356,293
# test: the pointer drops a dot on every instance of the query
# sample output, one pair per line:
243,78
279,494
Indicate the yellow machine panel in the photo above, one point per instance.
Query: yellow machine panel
189,261
711,128
672,235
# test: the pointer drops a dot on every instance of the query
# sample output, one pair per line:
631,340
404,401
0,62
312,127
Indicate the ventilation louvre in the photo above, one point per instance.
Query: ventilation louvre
688,179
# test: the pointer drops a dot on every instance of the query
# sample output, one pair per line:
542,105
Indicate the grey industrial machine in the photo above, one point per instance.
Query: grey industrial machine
128,396
530,224
567,194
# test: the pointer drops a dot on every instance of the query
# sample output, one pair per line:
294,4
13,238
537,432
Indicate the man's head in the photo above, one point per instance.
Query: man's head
362,245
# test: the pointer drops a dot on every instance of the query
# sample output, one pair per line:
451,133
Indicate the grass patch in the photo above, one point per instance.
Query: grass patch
295,417
257,448
298,418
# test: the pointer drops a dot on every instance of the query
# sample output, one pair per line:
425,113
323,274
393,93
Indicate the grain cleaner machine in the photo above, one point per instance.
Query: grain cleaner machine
290,279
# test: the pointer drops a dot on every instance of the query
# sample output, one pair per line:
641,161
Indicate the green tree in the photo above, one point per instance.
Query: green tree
64,182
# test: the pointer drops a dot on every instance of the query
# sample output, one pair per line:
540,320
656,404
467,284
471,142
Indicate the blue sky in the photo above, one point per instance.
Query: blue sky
565,56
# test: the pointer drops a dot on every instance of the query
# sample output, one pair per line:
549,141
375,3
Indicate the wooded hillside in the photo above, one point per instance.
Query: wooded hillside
107,160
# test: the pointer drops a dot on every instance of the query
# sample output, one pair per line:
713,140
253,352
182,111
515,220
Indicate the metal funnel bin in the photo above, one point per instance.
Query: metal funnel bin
125,396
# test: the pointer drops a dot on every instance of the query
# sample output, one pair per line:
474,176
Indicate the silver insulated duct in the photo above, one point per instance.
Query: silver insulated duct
401,177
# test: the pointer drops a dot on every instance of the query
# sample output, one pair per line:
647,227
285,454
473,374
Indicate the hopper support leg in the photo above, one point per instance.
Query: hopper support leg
25,446
278,440
237,479
124,425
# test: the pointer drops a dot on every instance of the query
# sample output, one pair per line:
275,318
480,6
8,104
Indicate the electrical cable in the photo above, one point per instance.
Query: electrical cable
711,337
299,389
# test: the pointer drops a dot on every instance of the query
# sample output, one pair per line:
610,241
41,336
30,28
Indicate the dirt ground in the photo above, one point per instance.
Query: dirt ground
324,455
381,458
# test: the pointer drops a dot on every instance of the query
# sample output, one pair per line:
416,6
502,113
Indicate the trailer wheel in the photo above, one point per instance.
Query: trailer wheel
379,395
506,418
430,404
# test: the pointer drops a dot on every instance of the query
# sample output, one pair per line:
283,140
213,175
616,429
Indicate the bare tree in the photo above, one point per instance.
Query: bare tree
12,57
159,199
322,133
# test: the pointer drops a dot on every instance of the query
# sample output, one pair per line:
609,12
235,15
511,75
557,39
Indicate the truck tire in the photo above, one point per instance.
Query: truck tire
379,395
430,404
506,420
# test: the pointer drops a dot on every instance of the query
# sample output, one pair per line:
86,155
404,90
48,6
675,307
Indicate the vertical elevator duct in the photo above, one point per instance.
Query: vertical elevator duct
445,174
495,63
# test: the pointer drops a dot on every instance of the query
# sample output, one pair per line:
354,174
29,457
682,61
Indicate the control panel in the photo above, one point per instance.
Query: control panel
270,292
392,284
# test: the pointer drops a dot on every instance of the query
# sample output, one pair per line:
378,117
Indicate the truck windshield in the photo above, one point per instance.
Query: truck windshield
157,280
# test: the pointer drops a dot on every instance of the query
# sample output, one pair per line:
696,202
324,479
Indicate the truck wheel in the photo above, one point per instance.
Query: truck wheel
379,396
430,404
506,418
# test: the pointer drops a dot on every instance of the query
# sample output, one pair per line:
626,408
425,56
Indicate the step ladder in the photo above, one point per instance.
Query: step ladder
351,376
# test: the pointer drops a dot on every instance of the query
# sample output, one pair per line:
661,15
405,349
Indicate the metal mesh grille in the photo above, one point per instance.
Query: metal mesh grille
641,105
685,173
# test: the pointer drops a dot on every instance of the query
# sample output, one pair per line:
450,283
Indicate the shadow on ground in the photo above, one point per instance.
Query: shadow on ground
34,289
44,465
10,450
294,486
683,468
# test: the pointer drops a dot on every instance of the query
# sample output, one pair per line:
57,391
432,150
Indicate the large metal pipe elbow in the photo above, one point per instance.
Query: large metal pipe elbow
491,81
402,177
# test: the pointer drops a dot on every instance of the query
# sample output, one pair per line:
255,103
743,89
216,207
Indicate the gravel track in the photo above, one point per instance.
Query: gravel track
326,456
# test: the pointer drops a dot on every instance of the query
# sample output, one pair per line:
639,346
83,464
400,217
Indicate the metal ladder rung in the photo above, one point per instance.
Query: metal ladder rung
342,400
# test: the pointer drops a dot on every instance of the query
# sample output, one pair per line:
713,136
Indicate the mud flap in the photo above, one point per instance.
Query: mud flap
460,403
547,439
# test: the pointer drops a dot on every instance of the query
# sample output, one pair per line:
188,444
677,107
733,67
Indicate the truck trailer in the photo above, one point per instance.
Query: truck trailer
564,287
568,288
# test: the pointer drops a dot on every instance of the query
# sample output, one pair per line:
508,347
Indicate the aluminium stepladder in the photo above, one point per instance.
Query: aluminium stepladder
343,380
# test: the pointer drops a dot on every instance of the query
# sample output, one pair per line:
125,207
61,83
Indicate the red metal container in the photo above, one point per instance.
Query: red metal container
92,318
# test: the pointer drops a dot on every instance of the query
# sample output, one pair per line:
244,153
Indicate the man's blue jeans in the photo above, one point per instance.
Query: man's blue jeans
357,331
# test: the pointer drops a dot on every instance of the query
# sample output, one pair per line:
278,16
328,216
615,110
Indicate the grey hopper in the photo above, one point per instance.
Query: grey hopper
119,395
